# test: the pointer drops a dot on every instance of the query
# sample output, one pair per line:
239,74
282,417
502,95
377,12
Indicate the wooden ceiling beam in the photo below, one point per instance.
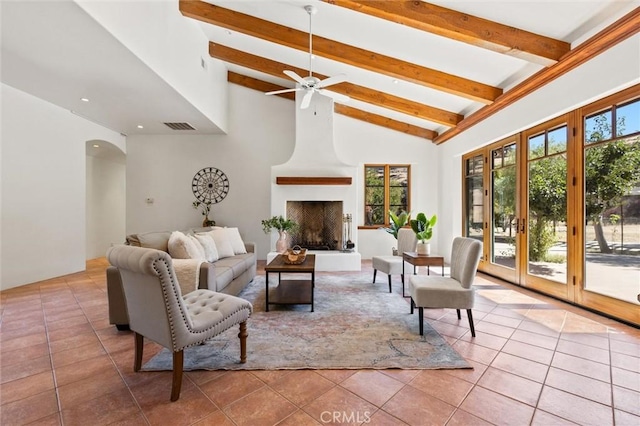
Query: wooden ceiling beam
378,120
266,30
463,27
620,30
374,97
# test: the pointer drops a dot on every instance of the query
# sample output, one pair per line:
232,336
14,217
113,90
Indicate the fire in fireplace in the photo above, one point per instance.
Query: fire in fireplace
319,224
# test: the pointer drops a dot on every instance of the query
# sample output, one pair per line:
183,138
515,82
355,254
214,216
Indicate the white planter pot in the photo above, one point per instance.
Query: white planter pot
423,248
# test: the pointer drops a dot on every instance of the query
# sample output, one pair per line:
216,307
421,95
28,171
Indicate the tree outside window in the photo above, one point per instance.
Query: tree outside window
387,187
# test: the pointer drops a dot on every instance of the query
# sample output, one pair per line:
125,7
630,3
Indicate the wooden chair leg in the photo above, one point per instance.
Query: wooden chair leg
389,283
458,312
421,319
374,275
138,348
178,359
473,330
243,342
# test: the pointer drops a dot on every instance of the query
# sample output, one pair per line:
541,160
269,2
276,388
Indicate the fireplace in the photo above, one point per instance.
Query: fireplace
319,224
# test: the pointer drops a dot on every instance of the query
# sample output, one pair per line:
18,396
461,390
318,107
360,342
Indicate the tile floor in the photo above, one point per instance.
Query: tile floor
536,361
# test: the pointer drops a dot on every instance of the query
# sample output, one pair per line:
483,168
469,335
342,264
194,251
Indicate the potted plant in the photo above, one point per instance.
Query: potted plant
397,221
206,209
281,225
423,228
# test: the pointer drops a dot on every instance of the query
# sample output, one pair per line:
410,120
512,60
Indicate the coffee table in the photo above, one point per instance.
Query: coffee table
416,259
290,291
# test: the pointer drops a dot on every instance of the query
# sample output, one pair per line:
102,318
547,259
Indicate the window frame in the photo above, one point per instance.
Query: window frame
387,187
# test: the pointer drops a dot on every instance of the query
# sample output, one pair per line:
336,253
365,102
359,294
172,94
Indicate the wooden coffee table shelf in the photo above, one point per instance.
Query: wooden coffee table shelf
290,291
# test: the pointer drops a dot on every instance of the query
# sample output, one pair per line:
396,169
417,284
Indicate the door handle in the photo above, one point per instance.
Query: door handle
523,227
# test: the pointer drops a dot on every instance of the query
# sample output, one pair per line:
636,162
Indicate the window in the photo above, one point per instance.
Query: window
474,200
387,187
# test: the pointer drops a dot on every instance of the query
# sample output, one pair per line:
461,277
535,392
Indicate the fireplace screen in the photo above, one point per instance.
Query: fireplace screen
319,224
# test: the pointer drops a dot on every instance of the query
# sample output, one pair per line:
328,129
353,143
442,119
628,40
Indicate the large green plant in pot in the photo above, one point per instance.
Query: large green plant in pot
423,228
397,221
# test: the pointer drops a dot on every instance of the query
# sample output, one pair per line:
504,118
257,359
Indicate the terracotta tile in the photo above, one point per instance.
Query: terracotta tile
70,331
496,408
136,419
583,351
521,367
487,340
414,406
217,418
535,327
337,376
510,313
23,342
582,366
66,323
64,314
626,362
302,386
26,387
341,403
73,342
585,387
200,377
542,418
629,335
192,406
502,320
404,376
25,368
90,388
74,355
470,375
231,387
626,400
267,408
535,339
29,409
27,330
627,348
530,352
155,388
462,418
625,378
507,384
50,420
18,356
494,329
106,409
597,341
625,419
299,418
448,329
574,408
440,384
83,369
475,352
579,324
372,386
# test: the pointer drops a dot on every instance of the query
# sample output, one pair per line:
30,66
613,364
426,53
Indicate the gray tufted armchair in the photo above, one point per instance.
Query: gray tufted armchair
158,311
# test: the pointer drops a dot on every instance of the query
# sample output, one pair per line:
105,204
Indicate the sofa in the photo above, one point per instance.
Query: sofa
228,275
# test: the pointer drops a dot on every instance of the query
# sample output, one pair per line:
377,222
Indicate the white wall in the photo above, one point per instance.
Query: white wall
261,134
171,45
610,72
106,207
43,188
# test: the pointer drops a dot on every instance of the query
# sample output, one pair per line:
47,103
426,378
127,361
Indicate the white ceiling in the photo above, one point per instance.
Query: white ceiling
54,50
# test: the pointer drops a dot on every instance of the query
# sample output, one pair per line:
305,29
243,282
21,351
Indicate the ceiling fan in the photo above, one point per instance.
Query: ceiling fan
311,84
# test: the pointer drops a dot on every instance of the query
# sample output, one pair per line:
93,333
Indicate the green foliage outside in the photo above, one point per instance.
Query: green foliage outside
375,210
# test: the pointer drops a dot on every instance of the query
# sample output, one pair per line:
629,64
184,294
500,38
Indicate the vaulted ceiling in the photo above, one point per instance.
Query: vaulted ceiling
430,69
417,67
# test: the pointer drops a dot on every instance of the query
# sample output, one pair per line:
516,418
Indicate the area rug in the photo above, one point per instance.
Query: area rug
356,325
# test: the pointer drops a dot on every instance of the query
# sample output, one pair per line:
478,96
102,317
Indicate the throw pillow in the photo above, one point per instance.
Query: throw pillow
222,243
182,247
196,242
236,241
209,246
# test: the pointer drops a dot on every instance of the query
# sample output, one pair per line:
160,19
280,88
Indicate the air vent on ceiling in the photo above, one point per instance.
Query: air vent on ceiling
180,126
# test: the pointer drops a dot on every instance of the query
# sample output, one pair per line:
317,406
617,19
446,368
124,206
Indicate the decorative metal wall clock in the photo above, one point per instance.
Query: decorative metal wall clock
210,185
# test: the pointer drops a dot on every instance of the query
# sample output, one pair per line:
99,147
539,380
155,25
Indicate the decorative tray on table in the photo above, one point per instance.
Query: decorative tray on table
294,255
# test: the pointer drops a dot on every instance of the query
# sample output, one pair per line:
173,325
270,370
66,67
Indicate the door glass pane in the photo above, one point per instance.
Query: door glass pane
557,140
628,119
547,215
536,146
612,212
597,127
503,229
474,198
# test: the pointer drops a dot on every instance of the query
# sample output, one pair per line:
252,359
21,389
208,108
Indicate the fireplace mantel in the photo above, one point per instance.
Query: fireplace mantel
313,180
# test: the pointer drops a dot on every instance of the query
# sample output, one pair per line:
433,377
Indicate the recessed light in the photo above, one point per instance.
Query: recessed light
140,126
95,145
84,99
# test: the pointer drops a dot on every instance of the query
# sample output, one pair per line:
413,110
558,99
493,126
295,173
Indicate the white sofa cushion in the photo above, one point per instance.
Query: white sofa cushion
236,241
182,247
220,236
209,246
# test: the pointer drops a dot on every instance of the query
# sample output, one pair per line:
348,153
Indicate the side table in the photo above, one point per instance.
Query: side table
416,259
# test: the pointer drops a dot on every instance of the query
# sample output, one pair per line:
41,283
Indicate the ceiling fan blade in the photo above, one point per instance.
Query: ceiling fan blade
295,77
335,96
306,100
338,78
277,92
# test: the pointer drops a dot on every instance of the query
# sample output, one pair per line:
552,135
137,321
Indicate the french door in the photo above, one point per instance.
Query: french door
557,206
